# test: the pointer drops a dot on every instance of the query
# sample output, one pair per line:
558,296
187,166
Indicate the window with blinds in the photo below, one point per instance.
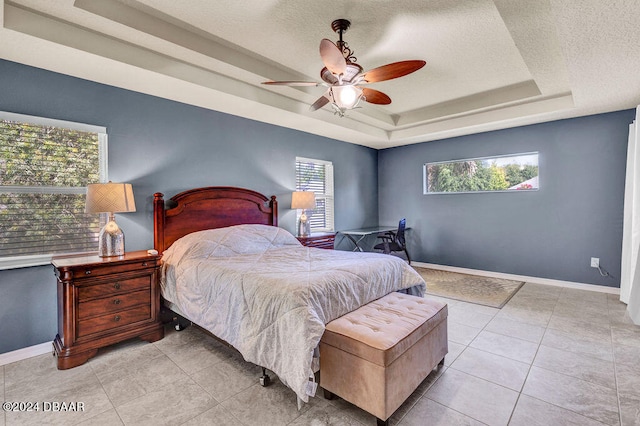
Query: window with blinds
317,176
45,166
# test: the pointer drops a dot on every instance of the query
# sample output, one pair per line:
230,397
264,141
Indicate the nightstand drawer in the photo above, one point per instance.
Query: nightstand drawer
326,243
324,240
113,287
117,302
97,271
113,320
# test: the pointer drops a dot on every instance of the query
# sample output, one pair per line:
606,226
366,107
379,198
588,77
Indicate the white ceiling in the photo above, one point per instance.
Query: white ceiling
490,63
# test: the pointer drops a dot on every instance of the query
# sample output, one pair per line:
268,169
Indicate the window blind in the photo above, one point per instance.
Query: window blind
317,176
45,166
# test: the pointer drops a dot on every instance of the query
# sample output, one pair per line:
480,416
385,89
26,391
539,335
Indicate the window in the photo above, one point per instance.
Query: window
317,176
45,166
516,172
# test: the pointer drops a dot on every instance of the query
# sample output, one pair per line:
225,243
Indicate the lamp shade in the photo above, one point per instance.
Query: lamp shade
303,200
109,198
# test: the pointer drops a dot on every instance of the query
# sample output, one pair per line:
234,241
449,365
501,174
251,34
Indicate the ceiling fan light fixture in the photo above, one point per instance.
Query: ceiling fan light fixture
346,96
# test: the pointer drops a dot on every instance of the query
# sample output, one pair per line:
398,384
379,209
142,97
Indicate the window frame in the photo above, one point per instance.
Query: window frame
327,196
23,261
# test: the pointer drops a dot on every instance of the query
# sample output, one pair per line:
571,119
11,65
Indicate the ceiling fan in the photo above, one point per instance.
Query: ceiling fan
344,77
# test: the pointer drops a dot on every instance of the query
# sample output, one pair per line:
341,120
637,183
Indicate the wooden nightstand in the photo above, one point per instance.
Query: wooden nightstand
105,300
323,240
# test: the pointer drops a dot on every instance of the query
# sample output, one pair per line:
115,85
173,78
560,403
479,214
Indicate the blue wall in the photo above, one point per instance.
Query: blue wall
166,146
551,233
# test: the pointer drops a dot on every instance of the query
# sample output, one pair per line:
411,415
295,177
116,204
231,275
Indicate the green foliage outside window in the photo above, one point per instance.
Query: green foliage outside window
44,171
485,174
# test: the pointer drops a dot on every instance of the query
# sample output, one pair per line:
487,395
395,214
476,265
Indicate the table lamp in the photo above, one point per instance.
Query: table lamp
110,198
303,200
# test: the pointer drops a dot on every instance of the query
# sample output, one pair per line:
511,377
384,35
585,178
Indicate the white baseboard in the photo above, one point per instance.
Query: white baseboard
24,353
535,280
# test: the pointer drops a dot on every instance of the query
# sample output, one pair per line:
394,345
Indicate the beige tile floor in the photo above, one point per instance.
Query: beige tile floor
551,356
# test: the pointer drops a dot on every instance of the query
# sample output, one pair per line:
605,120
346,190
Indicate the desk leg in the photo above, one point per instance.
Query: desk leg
358,243
355,243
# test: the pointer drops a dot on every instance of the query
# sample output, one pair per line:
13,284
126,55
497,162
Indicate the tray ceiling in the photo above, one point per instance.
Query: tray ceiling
490,64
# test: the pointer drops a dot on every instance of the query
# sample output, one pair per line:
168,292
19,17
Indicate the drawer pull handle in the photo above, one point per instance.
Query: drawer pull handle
116,286
116,301
144,263
116,318
88,272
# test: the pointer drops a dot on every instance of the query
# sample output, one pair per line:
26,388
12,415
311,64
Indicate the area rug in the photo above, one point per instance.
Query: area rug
494,292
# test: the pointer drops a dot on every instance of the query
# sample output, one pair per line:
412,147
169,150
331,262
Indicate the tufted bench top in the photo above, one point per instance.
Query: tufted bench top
384,329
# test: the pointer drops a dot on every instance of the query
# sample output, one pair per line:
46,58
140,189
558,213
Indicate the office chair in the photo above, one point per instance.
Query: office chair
394,241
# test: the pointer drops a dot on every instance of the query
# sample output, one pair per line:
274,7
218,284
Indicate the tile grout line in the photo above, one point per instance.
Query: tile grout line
480,378
161,354
566,375
190,378
190,375
113,406
565,409
615,368
469,346
532,361
453,409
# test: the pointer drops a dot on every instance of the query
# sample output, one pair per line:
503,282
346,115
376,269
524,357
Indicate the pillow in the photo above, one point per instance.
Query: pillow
229,241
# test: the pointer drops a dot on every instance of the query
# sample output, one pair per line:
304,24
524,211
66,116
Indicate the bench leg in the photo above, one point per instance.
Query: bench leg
327,394
381,422
441,363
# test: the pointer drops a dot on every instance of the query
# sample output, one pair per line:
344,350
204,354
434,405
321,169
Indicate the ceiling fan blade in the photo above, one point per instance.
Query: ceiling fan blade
375,96
322,101
332,57
291,83
391,71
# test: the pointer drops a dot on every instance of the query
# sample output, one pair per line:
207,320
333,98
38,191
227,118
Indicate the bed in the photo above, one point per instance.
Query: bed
228,268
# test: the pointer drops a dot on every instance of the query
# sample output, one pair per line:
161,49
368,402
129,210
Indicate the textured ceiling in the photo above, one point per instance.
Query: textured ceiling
490,63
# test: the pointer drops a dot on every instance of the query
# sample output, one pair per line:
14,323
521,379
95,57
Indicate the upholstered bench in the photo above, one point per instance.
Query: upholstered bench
377,355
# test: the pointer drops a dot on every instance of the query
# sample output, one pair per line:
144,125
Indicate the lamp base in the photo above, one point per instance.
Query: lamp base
304,228
111,240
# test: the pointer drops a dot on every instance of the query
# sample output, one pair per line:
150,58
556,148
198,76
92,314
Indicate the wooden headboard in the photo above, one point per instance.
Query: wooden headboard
208,208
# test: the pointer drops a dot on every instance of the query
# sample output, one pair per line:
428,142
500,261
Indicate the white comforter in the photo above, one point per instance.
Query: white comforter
260,290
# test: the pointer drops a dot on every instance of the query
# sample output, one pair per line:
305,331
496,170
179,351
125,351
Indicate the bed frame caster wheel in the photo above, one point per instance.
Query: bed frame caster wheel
265,380
181,324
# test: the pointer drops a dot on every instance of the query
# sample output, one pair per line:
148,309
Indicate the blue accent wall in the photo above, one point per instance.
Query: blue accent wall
551,233
165,146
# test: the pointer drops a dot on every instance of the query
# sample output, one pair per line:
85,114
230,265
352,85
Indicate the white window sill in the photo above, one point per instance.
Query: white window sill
29,261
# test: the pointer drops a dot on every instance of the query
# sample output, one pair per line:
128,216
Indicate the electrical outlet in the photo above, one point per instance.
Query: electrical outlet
595,262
